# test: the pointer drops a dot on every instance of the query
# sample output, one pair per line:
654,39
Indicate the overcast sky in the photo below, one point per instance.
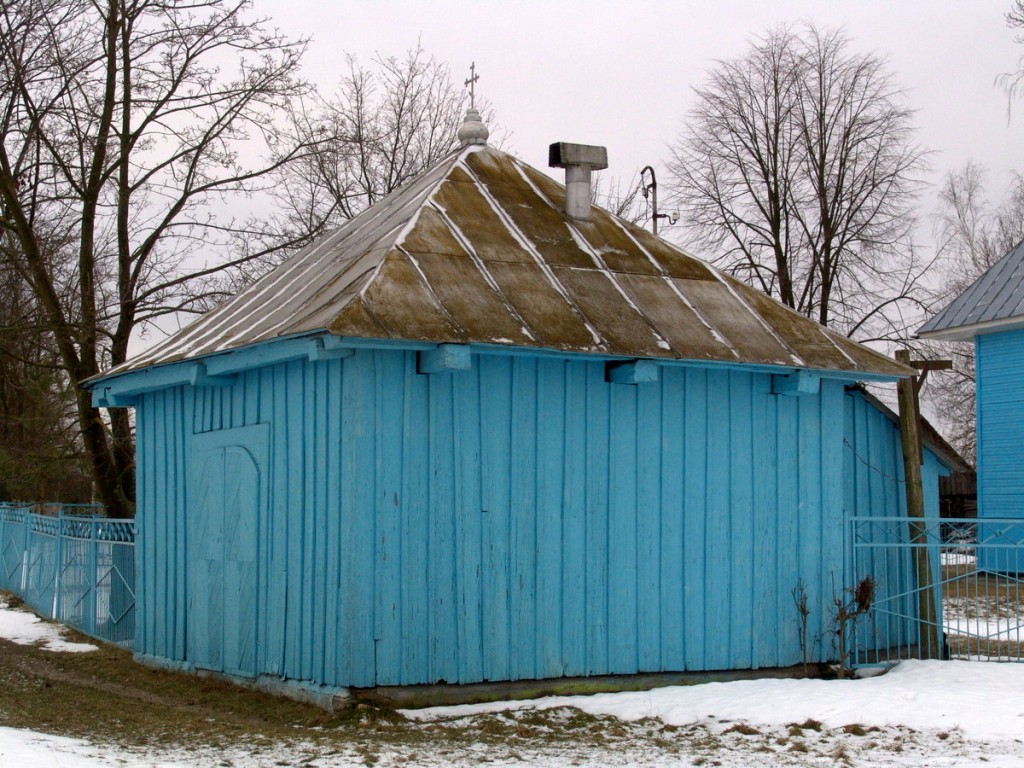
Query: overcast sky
622,74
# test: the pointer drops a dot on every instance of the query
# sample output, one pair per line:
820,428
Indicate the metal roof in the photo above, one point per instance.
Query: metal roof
477,250
995,301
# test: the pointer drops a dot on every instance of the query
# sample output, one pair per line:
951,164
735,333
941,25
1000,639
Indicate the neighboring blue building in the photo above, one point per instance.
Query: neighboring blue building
991,314
470,438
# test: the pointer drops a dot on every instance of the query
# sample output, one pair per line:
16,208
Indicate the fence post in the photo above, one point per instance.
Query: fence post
58,563
25,559
93,571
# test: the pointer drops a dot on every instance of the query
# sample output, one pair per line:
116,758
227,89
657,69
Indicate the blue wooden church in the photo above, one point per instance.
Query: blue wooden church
990,313
488,432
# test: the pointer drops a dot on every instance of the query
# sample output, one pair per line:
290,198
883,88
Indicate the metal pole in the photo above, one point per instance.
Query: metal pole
654,203
653,189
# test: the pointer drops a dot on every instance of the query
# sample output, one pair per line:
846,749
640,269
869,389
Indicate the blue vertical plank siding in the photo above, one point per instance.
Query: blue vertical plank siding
999,369
522,519
441,556
622,528
999,363
718,523
574,523
496,413
597,481
523,594
279,647
740,535
469,527
695,514
668,421
767,600
550,395
649,475
388,377
413,505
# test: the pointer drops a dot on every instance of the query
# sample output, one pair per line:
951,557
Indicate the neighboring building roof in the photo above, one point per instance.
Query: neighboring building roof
993,302
477,250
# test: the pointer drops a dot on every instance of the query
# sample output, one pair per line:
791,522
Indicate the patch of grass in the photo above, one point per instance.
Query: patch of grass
12,600
744,729
105,692
105,695
698,738
841,755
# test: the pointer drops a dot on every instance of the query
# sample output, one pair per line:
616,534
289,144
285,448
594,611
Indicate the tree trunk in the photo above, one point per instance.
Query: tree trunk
109,481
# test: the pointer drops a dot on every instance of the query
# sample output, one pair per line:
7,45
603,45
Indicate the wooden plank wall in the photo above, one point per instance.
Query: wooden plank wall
524,519
999,363
999,371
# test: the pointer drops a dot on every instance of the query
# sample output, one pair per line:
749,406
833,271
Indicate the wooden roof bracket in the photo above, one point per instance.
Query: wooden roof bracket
631,372
796,384
445,358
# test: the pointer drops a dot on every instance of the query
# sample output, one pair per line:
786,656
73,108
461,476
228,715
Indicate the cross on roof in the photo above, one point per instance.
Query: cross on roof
471,82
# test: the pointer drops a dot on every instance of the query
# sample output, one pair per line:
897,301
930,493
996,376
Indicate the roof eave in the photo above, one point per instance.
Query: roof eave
120,389
968,332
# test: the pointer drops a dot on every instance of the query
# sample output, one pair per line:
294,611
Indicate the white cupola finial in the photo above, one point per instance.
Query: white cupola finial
472,130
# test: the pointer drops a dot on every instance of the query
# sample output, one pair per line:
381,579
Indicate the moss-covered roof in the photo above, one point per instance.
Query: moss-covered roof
477,250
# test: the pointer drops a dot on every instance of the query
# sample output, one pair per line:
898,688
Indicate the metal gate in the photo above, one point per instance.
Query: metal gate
944,588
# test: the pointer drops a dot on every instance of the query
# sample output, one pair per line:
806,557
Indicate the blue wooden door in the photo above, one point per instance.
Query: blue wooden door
226,509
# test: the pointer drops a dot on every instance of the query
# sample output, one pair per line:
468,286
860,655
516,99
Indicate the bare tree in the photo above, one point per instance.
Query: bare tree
383,125
40,456
1013,82
625,201
972,235
125,127
797,167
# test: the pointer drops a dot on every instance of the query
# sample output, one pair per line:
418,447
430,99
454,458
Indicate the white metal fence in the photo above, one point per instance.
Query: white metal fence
73,565
944,588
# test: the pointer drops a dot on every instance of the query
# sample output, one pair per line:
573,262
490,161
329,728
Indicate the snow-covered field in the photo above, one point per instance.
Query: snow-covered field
952,713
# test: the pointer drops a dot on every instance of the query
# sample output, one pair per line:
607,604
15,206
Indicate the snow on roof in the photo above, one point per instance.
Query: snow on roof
995,301
477,250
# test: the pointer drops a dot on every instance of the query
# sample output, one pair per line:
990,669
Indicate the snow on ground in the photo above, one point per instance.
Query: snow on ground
983,700
957,558
28,749
26,628
1001,629
921,714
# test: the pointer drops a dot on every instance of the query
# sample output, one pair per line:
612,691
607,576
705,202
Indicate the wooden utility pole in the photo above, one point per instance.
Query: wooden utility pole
910,436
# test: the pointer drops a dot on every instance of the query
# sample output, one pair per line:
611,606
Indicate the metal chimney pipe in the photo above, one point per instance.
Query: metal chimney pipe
578,160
